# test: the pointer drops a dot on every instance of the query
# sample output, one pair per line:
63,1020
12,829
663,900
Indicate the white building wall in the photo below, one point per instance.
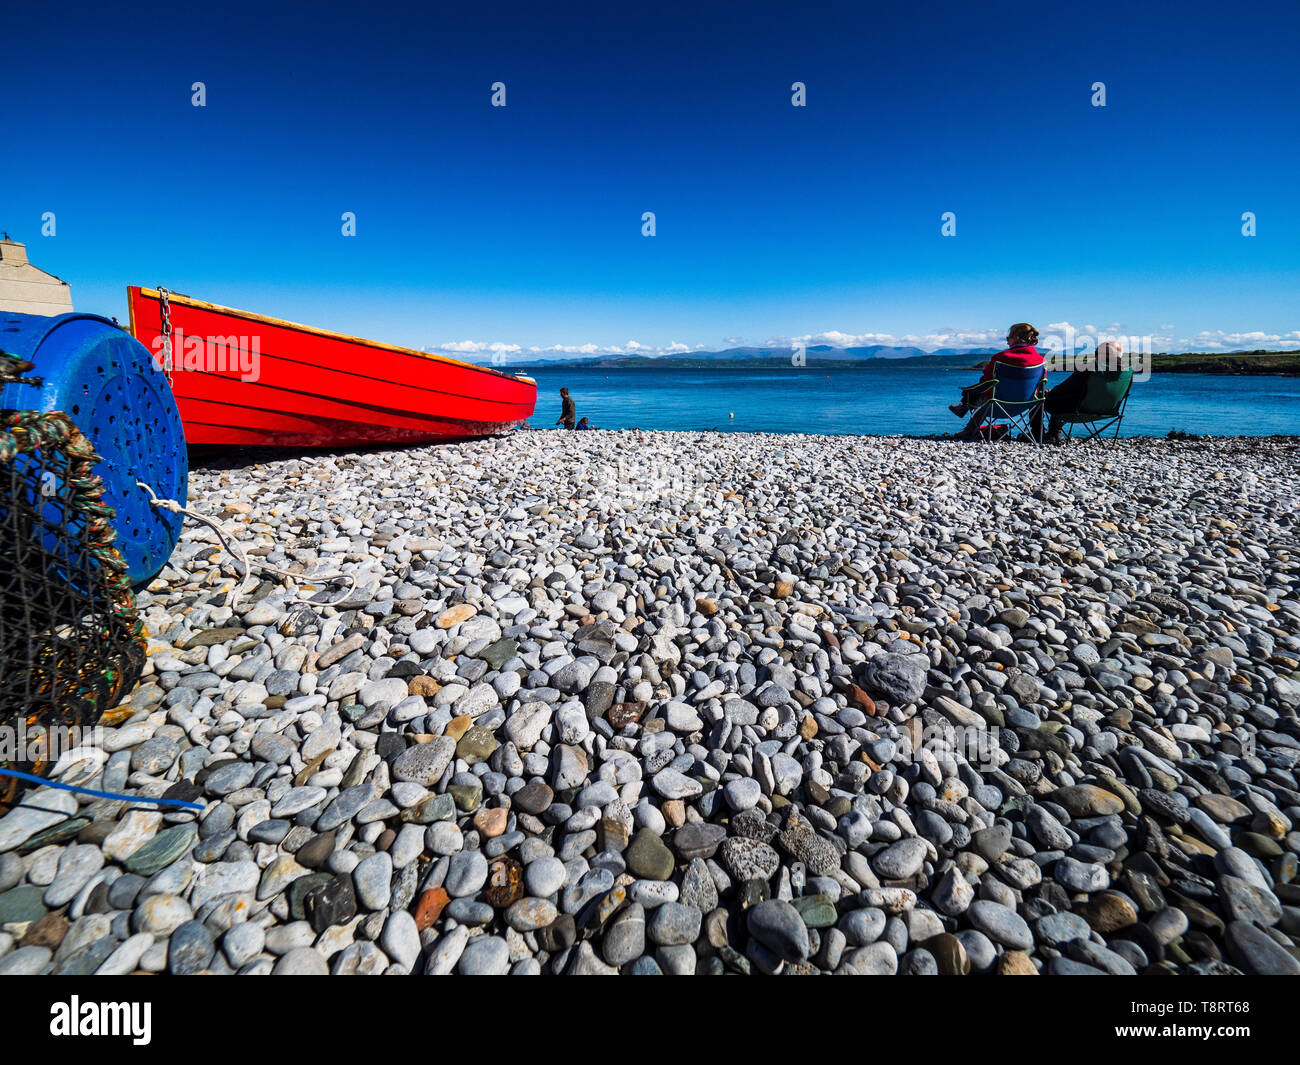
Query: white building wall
27,289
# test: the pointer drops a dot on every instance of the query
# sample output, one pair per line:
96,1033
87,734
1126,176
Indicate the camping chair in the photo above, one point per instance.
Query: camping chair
1017,399
1103,403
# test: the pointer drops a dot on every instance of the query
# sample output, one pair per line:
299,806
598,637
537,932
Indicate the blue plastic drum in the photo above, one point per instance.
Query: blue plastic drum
107,383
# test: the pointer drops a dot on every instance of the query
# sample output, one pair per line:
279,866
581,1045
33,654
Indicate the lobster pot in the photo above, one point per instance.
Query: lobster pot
71,642
109,386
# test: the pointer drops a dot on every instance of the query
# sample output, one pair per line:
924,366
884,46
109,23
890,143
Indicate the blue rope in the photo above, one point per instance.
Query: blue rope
100,794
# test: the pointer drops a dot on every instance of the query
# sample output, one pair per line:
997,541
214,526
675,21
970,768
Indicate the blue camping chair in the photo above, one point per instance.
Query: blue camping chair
1017,399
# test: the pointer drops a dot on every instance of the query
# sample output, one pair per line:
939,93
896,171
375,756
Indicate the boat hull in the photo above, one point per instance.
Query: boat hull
245,379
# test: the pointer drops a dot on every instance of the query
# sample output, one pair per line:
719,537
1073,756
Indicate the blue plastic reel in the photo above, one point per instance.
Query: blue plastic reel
107,383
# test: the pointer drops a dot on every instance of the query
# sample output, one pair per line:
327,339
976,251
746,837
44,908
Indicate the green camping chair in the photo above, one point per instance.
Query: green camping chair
1103,404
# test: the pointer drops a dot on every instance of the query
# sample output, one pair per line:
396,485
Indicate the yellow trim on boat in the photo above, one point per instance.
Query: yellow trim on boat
203,305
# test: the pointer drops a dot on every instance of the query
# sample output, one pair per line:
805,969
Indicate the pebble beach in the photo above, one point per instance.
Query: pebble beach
662,702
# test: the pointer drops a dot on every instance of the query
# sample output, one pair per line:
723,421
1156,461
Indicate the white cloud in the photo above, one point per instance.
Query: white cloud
1165,339
1217,339
948,338
1054,336
474,347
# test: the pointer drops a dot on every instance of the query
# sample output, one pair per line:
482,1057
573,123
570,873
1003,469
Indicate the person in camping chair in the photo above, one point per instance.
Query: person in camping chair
1020,351
1066,397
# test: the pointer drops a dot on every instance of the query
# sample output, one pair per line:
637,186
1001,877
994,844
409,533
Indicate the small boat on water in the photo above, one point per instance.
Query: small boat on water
244,378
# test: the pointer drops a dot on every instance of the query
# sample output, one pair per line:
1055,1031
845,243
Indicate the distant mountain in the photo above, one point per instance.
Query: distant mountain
1241,362
815,353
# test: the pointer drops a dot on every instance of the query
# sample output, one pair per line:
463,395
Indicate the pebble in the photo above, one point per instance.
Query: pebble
545,876
1001,924
372,879
26,961
466,874
190,949
778,926
400,939
674,924
485,956
21,823
900,860
648,856
302,961
749,859
1257,952
425,763
625,938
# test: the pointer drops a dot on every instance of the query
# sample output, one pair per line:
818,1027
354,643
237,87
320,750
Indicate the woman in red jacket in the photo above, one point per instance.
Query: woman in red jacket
1020,351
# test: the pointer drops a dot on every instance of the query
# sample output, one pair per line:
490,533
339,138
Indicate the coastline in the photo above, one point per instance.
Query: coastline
1269,364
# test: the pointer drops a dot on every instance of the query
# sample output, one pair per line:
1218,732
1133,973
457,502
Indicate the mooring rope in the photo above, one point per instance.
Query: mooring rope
234,548
98,794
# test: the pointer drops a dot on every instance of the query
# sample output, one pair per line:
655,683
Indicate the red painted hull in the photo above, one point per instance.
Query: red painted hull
270,382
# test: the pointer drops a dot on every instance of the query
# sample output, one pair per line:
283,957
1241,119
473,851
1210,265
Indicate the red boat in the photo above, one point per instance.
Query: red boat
243,378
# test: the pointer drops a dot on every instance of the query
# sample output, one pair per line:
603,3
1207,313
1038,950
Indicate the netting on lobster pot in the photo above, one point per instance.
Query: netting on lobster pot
71,642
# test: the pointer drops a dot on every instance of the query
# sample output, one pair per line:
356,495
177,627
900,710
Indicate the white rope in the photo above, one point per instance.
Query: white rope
234,548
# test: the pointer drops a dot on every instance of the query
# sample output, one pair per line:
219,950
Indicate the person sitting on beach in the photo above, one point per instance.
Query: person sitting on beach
1066,397
568,409
584,425
1020,351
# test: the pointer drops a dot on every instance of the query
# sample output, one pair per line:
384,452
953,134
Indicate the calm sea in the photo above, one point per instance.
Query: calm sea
887,398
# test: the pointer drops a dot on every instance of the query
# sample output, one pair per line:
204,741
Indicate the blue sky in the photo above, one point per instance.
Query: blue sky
520,227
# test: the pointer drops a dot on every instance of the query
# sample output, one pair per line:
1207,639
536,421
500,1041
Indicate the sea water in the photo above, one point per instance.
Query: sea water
885,399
